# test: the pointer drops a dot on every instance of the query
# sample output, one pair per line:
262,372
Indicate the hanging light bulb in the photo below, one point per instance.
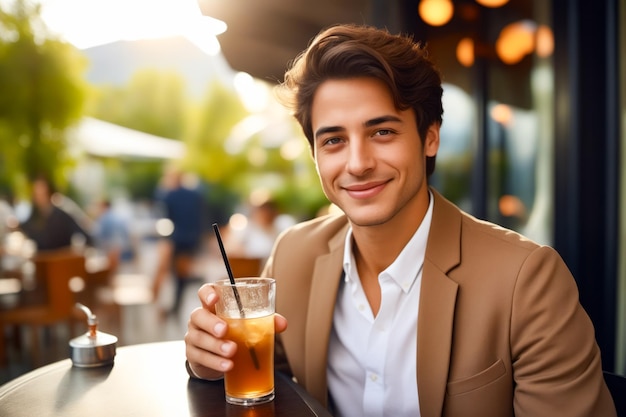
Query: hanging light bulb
465,52
492,3
436,12
515,41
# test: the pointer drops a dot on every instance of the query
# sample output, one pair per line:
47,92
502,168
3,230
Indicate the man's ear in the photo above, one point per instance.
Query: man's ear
431,144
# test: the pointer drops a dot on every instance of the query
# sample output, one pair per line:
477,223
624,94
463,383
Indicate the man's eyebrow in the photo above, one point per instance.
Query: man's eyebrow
382,119
369,123
328,129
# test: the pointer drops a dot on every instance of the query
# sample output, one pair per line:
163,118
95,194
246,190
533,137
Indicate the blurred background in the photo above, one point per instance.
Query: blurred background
117,105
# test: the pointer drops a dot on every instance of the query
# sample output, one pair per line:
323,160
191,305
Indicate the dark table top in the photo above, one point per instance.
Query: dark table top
145,380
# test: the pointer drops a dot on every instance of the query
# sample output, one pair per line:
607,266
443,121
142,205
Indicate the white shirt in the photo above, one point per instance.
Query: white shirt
372,360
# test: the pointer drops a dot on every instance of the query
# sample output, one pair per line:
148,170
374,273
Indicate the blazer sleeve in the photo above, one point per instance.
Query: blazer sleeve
555,357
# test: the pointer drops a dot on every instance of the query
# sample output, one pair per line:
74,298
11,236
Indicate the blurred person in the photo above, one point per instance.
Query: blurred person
112,235
184,207
403,304
256,238
49,225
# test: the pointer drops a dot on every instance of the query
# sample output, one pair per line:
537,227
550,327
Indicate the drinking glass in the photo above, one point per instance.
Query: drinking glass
248,308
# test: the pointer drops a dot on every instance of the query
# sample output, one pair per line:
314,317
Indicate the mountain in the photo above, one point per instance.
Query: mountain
115,63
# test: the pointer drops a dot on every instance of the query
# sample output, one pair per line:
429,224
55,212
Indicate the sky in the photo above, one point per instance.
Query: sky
87,23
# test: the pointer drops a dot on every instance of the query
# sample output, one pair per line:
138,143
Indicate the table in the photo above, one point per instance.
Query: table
145,380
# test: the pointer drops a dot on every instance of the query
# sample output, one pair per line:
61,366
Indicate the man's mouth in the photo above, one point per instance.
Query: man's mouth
366,190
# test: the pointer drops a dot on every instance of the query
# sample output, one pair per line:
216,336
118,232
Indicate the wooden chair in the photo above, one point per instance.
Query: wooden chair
617,386
245,267
54,271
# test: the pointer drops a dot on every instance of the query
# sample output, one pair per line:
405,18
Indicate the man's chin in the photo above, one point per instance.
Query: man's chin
366,219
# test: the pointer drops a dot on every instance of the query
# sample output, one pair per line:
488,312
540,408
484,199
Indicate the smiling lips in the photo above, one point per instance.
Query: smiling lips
363,191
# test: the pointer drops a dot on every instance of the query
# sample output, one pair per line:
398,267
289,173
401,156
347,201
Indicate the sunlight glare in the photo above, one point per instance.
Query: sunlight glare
87,23
253,93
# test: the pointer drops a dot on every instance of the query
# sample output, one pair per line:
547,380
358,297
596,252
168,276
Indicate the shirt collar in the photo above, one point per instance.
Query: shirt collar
406,267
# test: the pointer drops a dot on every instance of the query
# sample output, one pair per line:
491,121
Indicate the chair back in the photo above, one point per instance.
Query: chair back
245,267
617,386
55,271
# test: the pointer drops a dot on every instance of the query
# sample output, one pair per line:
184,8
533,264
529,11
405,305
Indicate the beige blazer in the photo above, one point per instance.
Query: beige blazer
500,330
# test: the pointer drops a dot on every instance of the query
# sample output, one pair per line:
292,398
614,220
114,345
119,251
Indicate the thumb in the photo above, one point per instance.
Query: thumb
280,323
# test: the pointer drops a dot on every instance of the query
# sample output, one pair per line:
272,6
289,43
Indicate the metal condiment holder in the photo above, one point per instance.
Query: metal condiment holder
93,348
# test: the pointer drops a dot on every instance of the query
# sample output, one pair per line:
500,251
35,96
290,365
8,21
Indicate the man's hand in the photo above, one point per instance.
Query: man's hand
208,353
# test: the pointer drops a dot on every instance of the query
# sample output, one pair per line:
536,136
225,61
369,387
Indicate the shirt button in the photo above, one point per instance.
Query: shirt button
361,307
373,377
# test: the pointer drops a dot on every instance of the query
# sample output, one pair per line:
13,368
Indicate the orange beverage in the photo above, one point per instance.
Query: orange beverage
248,309
253,373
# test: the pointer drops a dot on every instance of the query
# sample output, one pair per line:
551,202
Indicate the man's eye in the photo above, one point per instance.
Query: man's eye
384,132
332,141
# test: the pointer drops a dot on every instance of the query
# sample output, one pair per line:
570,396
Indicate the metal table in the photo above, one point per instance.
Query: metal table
145,380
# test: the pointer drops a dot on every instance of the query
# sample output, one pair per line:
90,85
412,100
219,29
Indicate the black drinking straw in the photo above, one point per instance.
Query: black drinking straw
228,269
232,281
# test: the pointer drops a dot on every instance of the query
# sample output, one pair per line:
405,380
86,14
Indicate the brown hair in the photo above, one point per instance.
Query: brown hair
348,51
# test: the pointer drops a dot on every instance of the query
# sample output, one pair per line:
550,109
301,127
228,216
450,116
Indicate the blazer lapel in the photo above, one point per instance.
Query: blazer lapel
325,284
437,304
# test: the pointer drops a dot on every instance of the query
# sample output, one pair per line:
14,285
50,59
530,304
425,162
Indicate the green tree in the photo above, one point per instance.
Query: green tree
153,102
210,125
43,93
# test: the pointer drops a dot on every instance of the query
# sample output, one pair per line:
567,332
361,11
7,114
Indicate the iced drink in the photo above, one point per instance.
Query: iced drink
251,380
253,373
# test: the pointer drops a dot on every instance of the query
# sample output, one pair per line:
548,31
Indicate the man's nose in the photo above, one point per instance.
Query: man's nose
361,157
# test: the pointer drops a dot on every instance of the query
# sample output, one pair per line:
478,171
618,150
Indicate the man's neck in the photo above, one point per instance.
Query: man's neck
376,247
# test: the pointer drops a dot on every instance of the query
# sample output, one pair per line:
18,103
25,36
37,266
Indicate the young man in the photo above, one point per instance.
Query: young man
405,305
49,224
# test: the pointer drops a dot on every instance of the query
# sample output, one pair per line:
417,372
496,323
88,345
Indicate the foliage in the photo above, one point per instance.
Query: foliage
210,125
255,165
145,176
154,102
43,93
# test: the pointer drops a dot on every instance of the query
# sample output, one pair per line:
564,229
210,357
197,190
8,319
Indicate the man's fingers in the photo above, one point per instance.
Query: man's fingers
280,323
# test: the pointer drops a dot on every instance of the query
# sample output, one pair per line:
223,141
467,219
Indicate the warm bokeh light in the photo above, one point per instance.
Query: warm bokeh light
76,284
545,41
238,221
492,3
465,52
292,149
502,114
510,205
259,196
436,12
516,40
164,227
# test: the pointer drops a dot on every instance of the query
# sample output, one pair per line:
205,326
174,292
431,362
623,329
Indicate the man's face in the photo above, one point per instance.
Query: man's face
41,194
368,154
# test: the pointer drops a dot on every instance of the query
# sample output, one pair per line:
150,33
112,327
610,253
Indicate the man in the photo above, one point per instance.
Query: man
405,305
50,225
112,235
184,207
